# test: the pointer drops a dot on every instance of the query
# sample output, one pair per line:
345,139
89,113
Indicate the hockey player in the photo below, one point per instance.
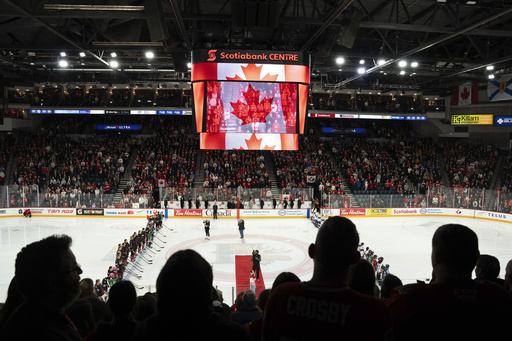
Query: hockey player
385,271
378,270
374,262
133,247
104,284
151,232
366,252
206,223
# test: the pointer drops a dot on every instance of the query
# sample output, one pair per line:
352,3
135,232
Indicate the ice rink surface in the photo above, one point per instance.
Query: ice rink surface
404,242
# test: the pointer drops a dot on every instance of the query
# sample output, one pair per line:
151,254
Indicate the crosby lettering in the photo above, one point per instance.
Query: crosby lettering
312,309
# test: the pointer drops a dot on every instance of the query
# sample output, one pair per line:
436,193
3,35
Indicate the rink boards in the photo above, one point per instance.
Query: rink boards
255,213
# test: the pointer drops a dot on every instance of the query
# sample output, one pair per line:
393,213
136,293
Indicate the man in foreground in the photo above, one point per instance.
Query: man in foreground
324,308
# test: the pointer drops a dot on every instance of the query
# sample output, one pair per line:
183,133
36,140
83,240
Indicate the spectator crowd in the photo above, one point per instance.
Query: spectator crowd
350,290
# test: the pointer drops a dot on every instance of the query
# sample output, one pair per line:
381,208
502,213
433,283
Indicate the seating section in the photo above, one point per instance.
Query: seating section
67,161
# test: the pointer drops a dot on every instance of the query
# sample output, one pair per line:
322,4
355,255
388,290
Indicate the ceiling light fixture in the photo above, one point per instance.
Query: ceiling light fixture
150,54
62,7
340,60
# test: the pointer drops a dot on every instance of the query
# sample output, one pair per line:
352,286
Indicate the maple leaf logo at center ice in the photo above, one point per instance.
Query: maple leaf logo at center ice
252,110
464,94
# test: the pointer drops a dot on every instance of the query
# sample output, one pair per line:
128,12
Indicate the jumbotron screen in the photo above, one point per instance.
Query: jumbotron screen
250,99
251,107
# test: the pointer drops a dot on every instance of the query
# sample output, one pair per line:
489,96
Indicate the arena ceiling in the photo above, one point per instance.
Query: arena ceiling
452,41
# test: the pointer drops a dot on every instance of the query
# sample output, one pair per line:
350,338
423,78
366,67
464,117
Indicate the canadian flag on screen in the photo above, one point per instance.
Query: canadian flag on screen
465,94
250,72
249,141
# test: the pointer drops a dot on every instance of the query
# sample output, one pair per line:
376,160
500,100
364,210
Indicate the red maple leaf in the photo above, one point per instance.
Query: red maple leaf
252,110
255,144
253,72
465,94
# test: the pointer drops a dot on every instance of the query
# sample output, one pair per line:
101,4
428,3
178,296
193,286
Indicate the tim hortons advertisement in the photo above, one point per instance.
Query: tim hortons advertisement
188,213
353,211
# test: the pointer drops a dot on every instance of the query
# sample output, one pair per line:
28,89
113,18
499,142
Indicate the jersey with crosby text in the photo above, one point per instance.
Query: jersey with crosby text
300,311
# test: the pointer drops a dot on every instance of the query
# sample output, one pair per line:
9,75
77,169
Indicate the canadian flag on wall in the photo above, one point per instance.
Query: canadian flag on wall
465,94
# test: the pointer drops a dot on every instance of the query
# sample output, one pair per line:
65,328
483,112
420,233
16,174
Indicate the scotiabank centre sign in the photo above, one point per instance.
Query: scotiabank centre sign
250,56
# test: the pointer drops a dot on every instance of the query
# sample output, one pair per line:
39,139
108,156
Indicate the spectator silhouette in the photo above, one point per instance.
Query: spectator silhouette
87,292
47,276
254,328
454,307
488,269
144,307
184,304
239,302
121,301
389,283
362,278
81,314
285,277
221,308
508,277
324,308
13,301
248,312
